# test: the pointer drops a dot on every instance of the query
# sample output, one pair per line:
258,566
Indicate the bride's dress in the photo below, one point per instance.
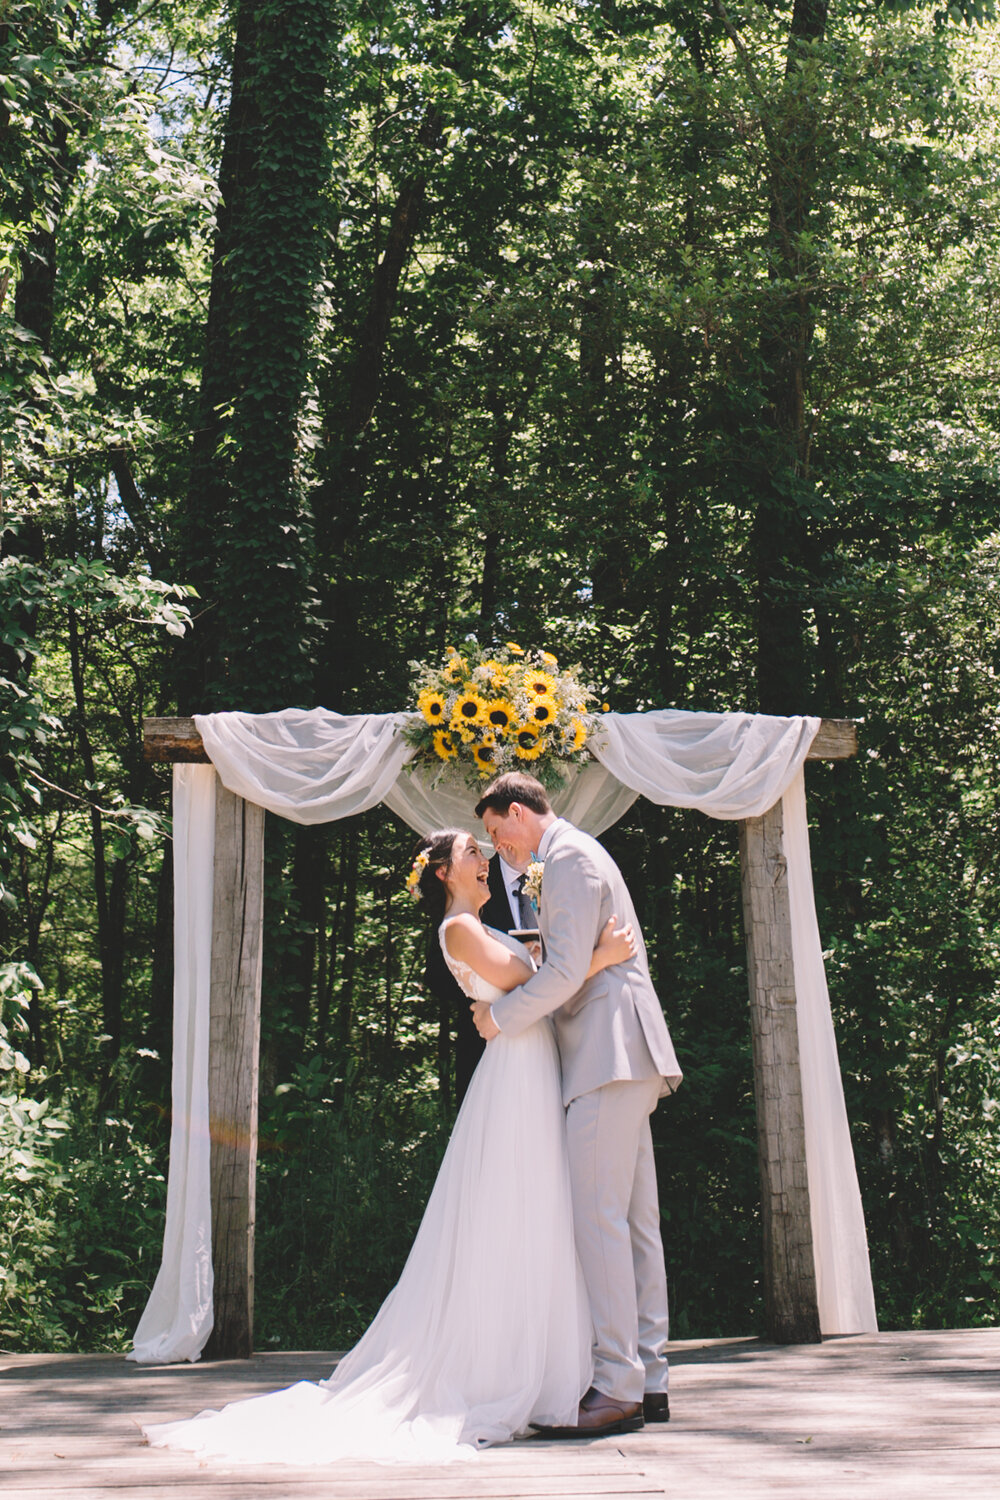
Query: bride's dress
487,1329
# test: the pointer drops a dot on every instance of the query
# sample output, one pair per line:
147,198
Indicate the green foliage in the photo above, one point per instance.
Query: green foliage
341,1190
81,1204
79,1238
30,1178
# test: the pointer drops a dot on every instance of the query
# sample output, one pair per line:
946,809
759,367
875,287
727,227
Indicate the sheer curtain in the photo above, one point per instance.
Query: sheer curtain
315,766
177,1319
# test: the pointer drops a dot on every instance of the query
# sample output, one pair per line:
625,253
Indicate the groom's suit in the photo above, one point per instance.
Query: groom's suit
617,1059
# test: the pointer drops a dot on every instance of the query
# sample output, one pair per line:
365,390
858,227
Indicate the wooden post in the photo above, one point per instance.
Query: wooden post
790,1305
234,1043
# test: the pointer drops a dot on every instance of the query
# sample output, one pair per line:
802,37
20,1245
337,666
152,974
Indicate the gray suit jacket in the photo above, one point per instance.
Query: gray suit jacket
610,1027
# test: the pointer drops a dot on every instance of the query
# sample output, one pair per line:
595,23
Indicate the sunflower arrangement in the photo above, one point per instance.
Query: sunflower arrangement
500,709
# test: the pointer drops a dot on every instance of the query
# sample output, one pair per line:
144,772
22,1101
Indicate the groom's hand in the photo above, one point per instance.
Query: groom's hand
485,1024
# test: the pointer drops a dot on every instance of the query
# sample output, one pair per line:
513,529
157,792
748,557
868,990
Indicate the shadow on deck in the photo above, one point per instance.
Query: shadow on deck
873,1417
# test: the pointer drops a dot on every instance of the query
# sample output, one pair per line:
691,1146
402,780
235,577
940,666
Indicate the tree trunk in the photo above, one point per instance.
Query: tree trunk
161,989
345,997
109,874
350,406
331,946
783,485
337,501
246,533
366,379
308,876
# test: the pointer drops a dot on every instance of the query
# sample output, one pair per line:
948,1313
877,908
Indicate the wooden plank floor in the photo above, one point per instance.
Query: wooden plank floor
877,1417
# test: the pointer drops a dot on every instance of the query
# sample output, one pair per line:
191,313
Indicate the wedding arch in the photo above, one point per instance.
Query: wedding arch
316,766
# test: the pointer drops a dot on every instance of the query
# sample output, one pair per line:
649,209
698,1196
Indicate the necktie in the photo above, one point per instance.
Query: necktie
529,917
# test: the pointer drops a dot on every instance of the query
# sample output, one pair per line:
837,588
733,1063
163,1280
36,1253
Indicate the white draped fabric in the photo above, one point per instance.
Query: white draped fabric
315,766
725,765
843,1270
177,1319
307,764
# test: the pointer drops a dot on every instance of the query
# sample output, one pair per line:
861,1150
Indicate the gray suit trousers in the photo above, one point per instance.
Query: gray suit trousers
617,1224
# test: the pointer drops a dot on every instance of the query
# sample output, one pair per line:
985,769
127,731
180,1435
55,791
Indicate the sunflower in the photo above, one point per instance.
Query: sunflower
455,667
539,684
444,745
576,737
497,673
432,705
549,659
413,879
485,758
500,715
469,711
543,710
528,742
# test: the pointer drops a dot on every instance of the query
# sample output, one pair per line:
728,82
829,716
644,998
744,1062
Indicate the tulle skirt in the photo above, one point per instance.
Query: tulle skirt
488,1328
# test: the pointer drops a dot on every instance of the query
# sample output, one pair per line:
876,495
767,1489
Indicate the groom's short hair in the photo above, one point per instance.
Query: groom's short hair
514,786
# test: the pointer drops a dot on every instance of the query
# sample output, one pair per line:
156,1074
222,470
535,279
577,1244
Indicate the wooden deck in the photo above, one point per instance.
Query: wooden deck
877,1417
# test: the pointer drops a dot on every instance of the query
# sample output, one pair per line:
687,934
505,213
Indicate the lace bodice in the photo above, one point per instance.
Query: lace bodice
473,984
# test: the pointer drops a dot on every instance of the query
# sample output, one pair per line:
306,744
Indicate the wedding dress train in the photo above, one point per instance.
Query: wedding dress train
488,1328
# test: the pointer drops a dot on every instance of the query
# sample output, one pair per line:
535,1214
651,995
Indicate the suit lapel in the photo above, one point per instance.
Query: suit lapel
496,912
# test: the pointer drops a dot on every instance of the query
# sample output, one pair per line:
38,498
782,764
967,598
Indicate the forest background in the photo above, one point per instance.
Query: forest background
663,336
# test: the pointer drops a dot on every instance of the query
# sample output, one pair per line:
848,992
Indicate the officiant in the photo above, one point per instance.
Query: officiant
507,908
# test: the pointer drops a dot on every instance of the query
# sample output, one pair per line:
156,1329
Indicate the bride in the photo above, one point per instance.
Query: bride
488,1329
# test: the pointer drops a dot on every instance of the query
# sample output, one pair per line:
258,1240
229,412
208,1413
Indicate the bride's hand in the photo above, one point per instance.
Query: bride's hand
616,945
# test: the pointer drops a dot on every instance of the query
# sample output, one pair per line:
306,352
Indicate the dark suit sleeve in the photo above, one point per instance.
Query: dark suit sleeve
497,913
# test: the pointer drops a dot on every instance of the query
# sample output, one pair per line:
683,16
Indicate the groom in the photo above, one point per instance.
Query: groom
617,1060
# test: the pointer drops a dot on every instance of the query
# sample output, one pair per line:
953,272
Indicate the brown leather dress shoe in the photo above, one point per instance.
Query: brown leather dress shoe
599,1416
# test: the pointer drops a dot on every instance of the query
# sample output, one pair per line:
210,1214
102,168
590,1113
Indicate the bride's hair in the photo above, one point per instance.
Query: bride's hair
432,853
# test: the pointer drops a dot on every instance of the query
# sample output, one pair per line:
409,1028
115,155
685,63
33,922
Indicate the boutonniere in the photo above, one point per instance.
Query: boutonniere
533,881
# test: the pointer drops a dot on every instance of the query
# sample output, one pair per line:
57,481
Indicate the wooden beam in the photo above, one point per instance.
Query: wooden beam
234,1044
790,1302
172,739
836,739
178,739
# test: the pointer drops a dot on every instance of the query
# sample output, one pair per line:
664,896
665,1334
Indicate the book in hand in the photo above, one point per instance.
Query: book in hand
526,934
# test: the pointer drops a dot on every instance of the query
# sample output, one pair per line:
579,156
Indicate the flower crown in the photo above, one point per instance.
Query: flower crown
413,879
